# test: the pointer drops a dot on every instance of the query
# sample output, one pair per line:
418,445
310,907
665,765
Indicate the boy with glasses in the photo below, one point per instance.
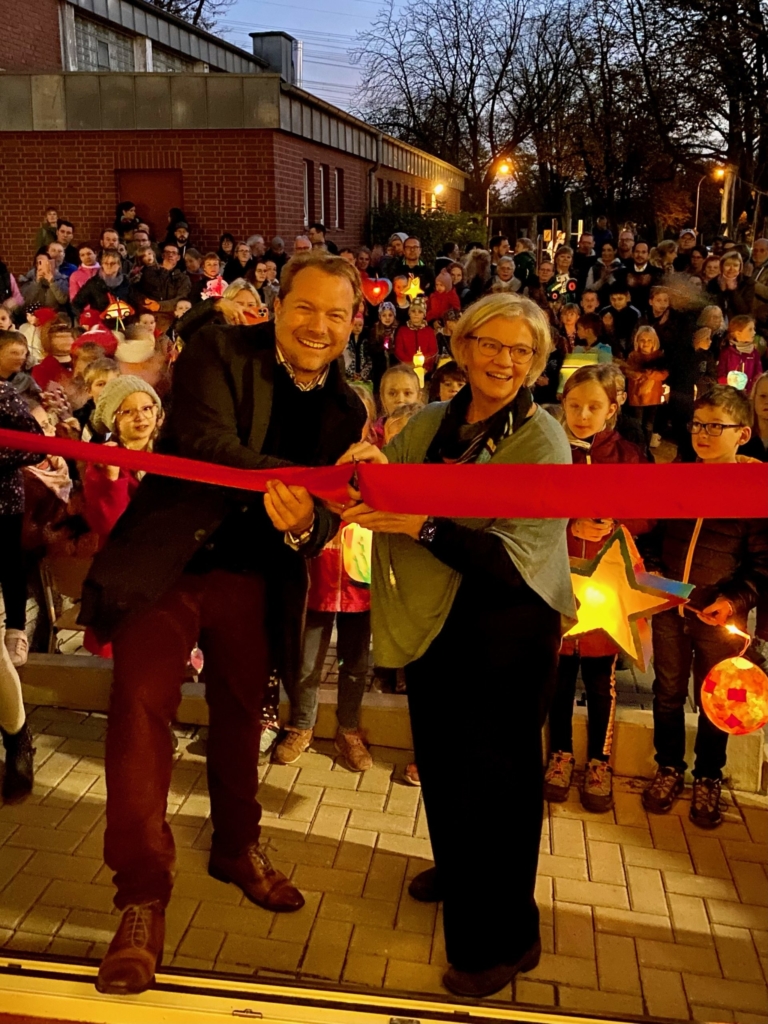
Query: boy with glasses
727,561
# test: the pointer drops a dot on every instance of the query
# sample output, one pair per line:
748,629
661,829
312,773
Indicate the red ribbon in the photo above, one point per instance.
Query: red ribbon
679,491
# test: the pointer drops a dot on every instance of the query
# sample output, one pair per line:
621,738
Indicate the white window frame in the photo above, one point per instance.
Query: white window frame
323,211
306,194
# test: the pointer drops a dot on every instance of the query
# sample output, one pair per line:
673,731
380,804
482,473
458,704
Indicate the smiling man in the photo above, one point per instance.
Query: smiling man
191,562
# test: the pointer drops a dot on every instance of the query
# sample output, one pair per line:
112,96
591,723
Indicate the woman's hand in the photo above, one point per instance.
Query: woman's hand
231,311
363,451
289,507
593,530
384,522
151,304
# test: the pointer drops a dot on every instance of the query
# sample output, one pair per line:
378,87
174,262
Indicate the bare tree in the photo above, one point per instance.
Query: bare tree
201,13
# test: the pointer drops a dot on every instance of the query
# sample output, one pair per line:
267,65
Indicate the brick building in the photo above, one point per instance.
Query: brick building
102,102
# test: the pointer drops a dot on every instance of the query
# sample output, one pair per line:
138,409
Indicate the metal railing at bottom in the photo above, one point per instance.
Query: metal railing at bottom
56,990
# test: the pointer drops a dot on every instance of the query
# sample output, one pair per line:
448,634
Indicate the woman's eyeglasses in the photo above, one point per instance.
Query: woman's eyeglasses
712,429
490,347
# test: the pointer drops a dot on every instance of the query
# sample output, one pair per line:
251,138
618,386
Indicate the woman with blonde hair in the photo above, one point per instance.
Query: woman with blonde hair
732,290
465,602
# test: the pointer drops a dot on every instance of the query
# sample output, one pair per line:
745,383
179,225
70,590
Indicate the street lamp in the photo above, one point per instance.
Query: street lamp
504,167
719,173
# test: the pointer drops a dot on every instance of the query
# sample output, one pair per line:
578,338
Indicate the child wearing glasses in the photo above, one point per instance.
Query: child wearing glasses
727,561
590,406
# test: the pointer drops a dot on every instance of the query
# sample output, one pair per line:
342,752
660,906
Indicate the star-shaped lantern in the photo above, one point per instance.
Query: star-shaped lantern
613,595
414,288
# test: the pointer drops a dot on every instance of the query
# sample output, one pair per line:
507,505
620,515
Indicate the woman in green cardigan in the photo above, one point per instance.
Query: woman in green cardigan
473,609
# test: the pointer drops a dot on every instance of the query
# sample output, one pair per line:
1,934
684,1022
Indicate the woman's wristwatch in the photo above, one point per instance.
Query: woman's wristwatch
428,531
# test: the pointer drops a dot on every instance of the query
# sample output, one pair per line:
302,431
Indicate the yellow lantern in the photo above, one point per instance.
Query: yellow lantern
418,366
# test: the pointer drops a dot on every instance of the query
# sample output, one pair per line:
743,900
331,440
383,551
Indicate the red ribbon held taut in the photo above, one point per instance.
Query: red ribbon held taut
646,491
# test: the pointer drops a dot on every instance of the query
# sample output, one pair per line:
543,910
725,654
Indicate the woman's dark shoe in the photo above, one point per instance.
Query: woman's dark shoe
425,887
476,984
134,954
660,795
19,764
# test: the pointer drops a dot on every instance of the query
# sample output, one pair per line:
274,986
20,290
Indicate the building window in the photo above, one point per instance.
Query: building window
102,49
389,191
338,180
399,192
418,199
380,191
323,192
164,60
309,192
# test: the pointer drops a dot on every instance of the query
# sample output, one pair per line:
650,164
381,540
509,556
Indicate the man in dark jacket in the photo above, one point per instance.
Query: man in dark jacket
189,561
161,286
108,284
412,265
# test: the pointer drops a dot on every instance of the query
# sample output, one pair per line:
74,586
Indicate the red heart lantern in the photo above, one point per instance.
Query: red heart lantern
376,291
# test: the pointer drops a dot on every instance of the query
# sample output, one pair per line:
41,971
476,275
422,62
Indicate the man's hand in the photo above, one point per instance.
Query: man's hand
591,529
231,311
384,522
717,613
289,507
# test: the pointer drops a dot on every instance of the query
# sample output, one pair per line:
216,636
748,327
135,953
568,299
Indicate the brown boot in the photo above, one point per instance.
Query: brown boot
292,745
135,952
262,884
354,751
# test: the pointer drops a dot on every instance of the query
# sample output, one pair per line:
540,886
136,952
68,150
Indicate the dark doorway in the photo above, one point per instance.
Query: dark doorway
154,193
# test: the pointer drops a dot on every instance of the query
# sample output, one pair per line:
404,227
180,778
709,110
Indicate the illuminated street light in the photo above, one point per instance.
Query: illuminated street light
504,167
719,174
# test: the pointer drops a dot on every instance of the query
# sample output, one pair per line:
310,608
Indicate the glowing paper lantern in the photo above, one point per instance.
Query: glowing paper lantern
615,597
117,310
735,693
376,291
418,366
414,288
737,379
357,543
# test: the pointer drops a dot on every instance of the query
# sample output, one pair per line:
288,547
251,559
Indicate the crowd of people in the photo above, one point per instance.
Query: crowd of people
254,357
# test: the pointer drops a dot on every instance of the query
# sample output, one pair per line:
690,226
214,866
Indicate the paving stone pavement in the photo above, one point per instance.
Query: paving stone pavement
640,915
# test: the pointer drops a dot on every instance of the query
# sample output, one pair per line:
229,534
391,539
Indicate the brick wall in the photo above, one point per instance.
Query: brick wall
238,181
22,50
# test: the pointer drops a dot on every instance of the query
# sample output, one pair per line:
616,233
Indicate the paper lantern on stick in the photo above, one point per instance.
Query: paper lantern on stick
376,291
414,288
616,596
117,310
418,366
735,693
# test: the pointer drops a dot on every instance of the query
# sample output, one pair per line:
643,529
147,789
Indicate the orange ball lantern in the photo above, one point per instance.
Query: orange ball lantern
735,696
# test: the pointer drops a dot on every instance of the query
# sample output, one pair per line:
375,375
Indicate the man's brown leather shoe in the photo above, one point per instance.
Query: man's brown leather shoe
262,884
135,952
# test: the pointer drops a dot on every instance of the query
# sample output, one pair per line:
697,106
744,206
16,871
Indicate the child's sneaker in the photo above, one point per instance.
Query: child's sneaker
411,775
705,803
663,790
557,778
292,745
17,645
597,791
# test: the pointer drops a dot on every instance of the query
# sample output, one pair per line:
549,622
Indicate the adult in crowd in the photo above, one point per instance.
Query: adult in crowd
106,285
161,286
732,290
65,233
240,264
181,238
45,286
257,246
686,241
412,265
602,233
189,561
525,261
583,259
641,276
625,245
477,599
277,254
389,265
10,293
499,246
226,250
605,272
301,245
317,234
47,231
89,267
125,217
449,254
